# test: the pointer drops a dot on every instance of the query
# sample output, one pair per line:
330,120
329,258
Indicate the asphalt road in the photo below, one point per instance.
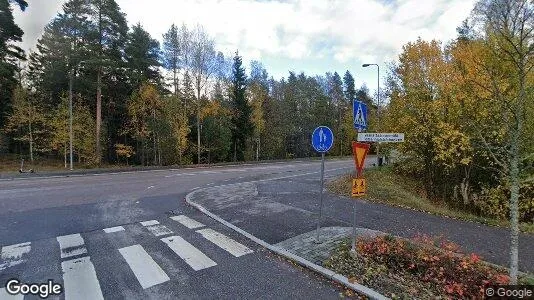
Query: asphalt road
280,209
131,235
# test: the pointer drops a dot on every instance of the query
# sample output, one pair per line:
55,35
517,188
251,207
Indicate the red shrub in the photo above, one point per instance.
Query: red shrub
456,275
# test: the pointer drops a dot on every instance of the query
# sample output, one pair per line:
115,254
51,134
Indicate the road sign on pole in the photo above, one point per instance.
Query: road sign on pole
381,137
322,141
358,187
360,152
359,111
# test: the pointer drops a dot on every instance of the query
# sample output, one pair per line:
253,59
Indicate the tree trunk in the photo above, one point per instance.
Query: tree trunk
31,140
514,178
65,155
235,150
198,123
159,152
258,150
98,114
514,218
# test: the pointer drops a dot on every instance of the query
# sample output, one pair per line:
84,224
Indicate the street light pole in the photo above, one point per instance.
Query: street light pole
71,135
70,116
378,108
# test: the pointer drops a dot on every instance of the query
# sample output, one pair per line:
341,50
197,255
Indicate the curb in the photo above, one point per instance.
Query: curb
280,251
124,170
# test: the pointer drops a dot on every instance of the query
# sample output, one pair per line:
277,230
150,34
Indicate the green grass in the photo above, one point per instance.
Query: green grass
384,186
10,163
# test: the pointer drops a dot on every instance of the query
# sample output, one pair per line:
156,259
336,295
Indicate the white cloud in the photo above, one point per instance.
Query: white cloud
337,30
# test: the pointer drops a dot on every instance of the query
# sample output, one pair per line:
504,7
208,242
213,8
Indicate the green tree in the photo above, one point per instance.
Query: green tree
171,55
348,87
10,53
200,59
27,122
142,57
241,125
110,36
144,110
178,119
509,37
258,93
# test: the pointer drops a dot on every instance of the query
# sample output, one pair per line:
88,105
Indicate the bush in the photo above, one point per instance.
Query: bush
494,202
456,275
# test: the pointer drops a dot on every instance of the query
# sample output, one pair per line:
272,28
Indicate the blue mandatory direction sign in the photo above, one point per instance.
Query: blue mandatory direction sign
359,110
322,139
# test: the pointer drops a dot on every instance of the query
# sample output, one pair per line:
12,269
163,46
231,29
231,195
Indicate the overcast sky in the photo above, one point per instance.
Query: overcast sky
314,36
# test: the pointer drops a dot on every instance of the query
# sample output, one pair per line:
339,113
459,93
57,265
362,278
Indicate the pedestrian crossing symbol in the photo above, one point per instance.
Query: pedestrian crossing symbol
360,115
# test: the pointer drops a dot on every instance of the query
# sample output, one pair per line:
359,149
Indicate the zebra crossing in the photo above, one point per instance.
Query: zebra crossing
178,238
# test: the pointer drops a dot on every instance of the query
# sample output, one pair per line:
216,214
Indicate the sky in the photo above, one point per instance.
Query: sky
313,36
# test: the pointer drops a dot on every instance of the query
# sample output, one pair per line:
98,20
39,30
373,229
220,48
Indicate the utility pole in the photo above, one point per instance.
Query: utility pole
71,79
377,110
71,134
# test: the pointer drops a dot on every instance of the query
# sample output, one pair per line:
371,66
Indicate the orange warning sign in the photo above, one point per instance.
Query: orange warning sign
358,187
360,152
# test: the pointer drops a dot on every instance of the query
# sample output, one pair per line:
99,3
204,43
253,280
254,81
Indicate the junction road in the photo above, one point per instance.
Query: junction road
131,235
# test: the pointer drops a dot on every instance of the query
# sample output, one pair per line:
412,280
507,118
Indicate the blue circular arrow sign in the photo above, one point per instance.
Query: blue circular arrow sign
322,139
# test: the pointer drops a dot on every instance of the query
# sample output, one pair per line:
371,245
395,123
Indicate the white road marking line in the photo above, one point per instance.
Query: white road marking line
12,255
148,188
15,251
71,245
150,223
113,229
145,269
191,255
80,279
159,230
4,295
181,174
226,243
187,222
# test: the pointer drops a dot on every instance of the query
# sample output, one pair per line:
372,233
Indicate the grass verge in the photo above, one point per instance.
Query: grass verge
384,186
10,163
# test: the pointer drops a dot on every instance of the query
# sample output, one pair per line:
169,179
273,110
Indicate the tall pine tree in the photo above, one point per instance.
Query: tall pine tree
142,57
241,125
171,55
9,54
348,86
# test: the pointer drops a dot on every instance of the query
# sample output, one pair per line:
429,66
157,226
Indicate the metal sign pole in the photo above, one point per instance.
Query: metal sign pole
321,202
353,248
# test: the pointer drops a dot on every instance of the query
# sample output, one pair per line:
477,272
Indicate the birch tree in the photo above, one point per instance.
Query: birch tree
508,31
200,59
26,121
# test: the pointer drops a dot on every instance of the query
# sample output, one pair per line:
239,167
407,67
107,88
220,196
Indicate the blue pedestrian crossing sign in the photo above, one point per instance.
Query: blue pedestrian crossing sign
359,110
322,139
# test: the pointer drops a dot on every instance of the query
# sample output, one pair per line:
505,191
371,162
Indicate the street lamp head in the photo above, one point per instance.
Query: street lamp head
366,65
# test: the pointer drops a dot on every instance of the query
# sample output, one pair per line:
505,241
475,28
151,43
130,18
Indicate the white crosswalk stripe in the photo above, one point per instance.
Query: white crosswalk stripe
191,255
113,229
187,222
145,269
150,223
12,255
4,295
159,230
226,243
80,280
82,256
71,245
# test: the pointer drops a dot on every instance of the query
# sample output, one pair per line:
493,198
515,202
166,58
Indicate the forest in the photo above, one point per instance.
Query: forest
142,102
465,106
